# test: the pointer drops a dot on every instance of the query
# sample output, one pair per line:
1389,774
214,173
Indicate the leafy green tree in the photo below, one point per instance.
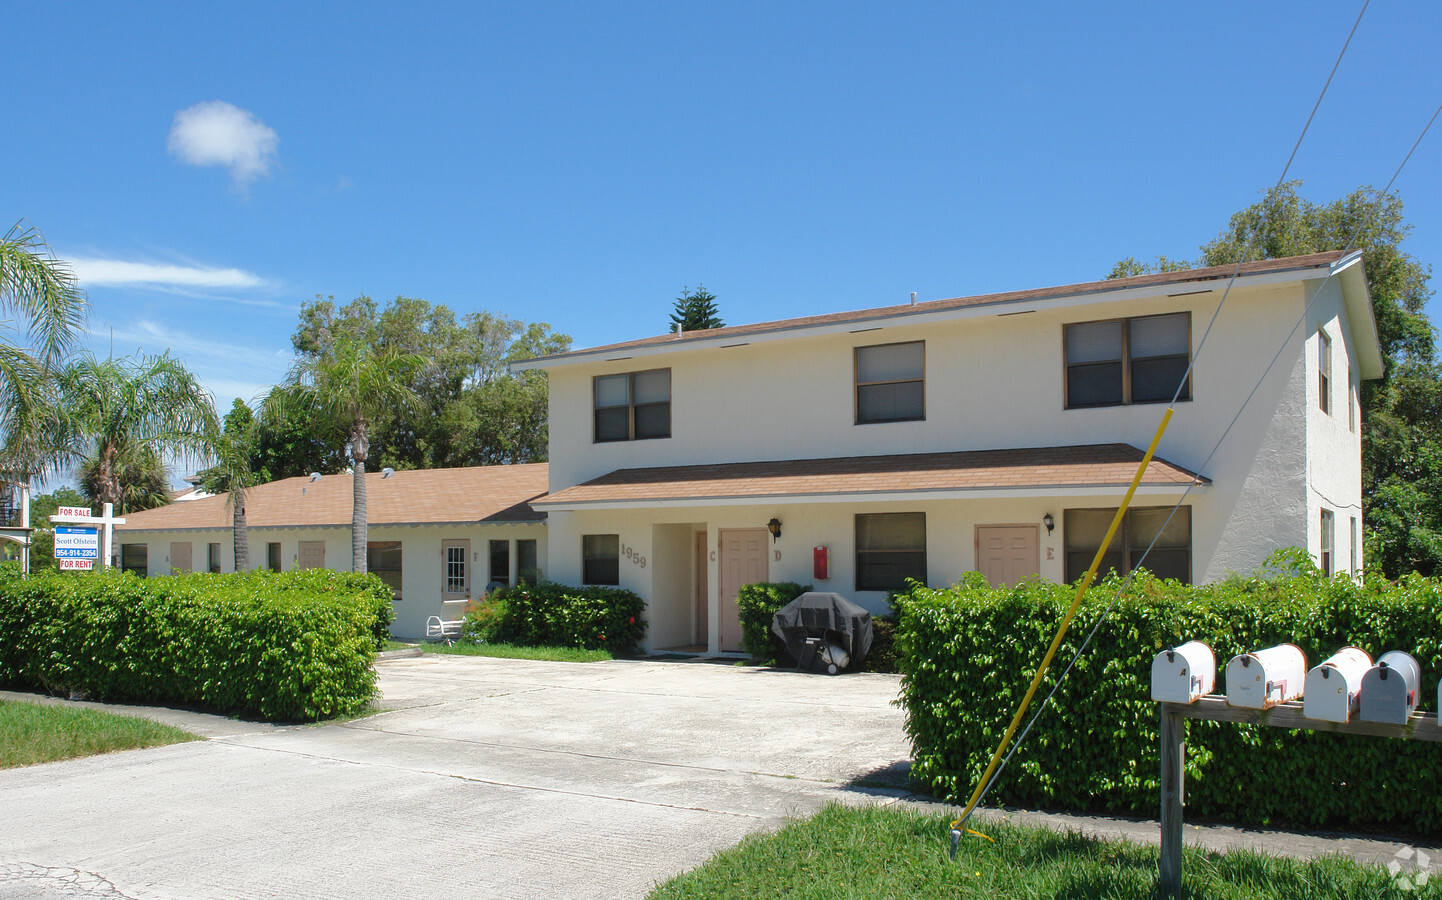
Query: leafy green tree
42,539
1401,412
40,292
124,414
696,311
1131,266
474,410
346,385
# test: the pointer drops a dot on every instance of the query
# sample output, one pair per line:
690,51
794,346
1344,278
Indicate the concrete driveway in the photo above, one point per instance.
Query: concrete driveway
482,778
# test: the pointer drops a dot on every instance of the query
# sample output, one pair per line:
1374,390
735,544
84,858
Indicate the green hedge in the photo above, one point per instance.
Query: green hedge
291,647
593,617
757,605
969,652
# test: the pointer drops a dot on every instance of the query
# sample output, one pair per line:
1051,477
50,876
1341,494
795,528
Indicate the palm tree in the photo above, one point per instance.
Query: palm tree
141,474
50,308
117,409
346,384
234,473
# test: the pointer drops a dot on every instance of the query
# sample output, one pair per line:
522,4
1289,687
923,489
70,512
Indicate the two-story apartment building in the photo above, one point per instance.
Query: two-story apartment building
994,433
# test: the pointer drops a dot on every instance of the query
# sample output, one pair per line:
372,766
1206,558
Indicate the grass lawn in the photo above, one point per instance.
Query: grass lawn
872,852
33,733
396,645
512,651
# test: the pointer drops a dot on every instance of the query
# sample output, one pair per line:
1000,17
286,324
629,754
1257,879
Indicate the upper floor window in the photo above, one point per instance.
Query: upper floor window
633,406
1120,361
891,383
1324,372
1351,401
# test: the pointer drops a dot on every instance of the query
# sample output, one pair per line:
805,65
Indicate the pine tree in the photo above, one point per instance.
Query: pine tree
696,311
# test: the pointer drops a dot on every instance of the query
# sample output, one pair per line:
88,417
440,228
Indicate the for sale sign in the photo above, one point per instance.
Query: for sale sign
76,543
74,511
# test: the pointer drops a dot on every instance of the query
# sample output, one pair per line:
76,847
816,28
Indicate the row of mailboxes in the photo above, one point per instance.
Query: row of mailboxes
1347,683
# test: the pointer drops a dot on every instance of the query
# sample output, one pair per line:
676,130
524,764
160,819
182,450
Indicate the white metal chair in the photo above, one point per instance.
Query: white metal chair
438,629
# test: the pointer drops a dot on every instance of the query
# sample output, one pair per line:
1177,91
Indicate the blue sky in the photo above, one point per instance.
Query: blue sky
210,167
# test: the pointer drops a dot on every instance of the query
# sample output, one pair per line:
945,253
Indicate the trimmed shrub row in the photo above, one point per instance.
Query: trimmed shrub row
593,617
297,646
969,653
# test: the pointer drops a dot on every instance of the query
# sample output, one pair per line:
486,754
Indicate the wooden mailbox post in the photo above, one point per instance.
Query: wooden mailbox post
1214,707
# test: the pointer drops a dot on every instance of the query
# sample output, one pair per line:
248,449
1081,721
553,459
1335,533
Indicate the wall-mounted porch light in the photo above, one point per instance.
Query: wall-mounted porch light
774,526
1049,522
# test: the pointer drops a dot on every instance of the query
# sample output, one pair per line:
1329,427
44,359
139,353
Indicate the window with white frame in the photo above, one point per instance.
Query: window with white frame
890,548
891,383
1328,543
1122,361
1324,372
272,556
633,406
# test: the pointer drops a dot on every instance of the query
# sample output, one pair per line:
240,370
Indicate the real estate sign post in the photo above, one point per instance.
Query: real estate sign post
77,546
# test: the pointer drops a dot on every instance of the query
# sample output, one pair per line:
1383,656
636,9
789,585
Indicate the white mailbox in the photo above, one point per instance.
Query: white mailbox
1389,689
1183,674
1262,679
1334,686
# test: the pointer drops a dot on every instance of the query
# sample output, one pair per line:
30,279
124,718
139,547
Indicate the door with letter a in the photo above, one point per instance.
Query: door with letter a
743,562
1008,554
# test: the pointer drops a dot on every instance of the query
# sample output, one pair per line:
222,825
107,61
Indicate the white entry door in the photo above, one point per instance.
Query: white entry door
743,562
1008,554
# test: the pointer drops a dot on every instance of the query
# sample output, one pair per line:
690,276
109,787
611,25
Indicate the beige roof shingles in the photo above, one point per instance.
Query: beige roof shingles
1074,466
419,497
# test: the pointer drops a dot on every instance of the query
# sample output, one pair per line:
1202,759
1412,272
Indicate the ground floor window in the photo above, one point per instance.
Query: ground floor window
383,559
1170,557
501,562
214,558
1329,541
134,558
600,559
890,548
272,556
527,572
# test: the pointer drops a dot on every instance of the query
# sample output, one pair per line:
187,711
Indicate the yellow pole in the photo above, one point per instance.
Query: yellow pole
1061,631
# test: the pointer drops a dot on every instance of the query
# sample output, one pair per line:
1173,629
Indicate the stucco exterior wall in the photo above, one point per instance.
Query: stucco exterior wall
422,568
1334,463
992,382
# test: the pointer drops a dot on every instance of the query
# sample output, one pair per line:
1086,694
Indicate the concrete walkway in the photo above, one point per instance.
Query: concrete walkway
490,778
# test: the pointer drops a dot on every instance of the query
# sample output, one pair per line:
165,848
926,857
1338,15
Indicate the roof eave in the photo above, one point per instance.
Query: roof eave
922,315
1106,489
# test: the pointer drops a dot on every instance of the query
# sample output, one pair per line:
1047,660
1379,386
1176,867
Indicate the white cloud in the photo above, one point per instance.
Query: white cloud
215,133
113,272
